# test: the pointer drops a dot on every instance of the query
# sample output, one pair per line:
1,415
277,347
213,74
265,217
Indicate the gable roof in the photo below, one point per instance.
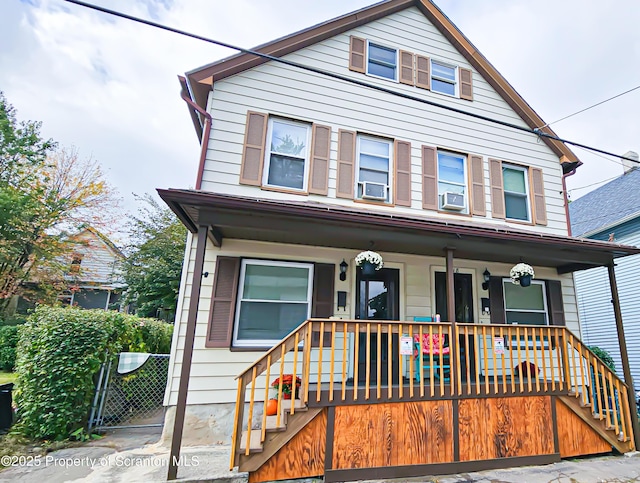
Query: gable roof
201,80
103,238
602,208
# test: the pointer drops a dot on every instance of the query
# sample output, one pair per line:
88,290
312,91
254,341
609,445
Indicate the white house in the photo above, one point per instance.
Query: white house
397,136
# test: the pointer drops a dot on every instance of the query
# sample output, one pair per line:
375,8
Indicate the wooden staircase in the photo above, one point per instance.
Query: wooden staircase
275,435
602,425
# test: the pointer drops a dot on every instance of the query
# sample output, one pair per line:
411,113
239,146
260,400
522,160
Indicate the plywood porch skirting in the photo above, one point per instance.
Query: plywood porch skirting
419,438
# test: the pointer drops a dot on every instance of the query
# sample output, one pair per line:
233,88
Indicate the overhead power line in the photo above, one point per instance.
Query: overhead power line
591,107
536,131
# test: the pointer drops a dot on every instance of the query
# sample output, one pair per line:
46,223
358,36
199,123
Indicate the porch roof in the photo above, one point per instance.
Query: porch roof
324,224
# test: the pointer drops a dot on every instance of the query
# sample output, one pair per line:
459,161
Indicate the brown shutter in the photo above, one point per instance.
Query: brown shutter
223,302
554,300
423,72
357,49
429,179
496,301
477,186
346,159
406,67
403,173
322,303
319,169
466,84
253,151
537,196
497,193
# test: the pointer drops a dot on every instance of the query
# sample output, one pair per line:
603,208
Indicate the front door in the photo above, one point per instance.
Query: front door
463,294
377,298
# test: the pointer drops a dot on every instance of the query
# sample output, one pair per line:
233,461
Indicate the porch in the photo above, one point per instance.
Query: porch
483,405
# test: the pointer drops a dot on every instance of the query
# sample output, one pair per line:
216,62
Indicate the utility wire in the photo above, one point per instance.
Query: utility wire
591,107
593,184
536,131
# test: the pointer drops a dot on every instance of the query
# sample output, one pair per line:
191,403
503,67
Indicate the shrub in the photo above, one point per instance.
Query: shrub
60,350
8,343
604,357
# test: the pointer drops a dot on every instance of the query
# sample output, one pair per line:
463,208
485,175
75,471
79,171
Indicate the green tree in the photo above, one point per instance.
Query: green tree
154,260
44,193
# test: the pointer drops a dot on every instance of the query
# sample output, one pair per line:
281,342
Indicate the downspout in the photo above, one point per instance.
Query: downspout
204,142
566,165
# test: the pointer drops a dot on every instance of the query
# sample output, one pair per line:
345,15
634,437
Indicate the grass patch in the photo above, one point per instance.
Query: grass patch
7,377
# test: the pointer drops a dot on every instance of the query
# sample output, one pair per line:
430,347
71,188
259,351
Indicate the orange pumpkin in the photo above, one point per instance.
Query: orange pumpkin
271,407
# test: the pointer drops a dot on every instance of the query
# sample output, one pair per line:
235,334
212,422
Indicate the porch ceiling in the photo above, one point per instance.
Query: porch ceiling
322,224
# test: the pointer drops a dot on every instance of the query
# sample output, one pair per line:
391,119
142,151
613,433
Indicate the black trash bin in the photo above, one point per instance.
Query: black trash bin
6,411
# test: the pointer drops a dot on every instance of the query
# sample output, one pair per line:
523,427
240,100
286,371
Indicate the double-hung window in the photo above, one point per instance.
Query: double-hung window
273,299
443,78
452,182
374,157
516,192
382,61
287,154
525,305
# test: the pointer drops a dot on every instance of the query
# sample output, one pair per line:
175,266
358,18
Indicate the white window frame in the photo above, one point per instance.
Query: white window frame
396,67
455,82
270,263
391,167
525,170
539,342
465,169
268,153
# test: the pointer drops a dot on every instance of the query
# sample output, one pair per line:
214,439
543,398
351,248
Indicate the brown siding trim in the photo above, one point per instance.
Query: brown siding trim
253,149
357,54
466,84
497,191
455,405
406,67
411,471
477,198
328,453
496,301
346,164
554,424
555,303
429,178
402,194
223,302
319,161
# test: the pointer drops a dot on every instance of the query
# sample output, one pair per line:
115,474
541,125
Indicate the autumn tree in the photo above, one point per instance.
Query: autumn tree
45,193
154,260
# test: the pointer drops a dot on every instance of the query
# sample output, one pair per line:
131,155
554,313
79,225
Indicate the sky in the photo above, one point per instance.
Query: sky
109,86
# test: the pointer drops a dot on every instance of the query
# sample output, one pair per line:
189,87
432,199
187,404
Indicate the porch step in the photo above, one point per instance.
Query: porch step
297,404
255,445
273,420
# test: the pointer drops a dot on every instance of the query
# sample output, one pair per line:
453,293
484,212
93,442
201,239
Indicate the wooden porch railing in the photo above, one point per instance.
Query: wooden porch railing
359,362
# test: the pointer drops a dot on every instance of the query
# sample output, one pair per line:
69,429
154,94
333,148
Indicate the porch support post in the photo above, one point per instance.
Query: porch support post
187,353
631,393
451,312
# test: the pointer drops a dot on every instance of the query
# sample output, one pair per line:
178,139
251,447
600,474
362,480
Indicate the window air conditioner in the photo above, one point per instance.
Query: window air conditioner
453,201
374,191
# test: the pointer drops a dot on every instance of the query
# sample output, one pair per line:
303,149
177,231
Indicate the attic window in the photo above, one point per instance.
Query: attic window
382,61
76,260
443,78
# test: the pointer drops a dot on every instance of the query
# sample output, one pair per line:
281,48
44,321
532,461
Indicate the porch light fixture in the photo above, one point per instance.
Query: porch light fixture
486,275
343,270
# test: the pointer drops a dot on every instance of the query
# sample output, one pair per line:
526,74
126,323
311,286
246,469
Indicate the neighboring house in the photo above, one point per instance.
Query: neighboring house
300,172
611,212
94,276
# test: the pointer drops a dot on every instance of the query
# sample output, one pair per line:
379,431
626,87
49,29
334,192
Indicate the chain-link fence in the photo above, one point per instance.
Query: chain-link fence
129,392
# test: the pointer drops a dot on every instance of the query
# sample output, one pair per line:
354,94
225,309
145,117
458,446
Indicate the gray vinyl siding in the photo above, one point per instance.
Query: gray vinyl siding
595,308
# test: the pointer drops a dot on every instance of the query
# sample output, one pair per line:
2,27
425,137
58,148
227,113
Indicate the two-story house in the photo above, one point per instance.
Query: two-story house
396,136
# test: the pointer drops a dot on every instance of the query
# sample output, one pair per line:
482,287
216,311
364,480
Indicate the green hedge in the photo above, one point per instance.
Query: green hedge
8,343
59,353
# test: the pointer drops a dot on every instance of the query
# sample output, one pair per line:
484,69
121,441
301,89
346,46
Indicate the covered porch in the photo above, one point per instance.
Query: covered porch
355,363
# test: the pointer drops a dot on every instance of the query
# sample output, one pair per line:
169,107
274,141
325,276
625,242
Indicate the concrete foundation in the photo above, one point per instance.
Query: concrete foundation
204,424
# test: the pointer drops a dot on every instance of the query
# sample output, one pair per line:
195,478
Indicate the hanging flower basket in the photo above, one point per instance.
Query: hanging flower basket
369,262
522,274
